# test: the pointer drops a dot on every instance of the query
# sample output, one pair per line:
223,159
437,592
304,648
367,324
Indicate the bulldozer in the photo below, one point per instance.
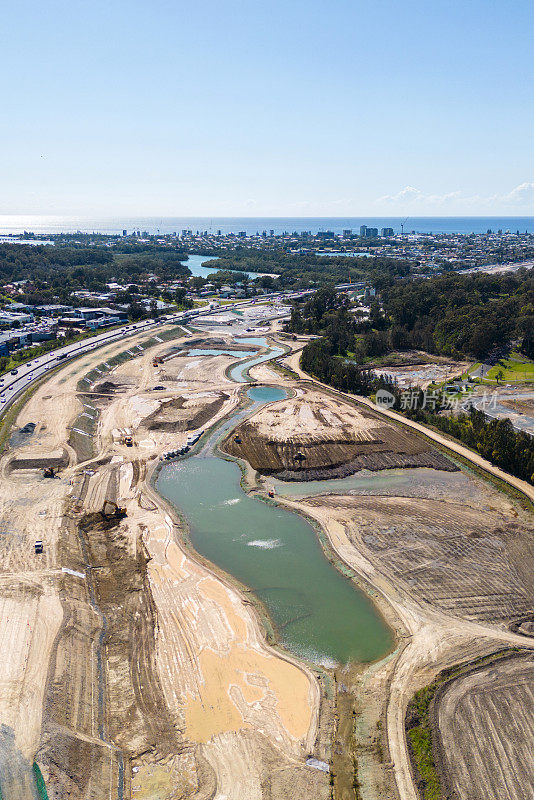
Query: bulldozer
49,472
117,512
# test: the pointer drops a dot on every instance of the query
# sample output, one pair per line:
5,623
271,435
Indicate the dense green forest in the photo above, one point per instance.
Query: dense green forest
301,270
460,315
451,315
56,272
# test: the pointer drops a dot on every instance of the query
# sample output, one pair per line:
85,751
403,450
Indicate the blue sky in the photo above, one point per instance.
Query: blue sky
281,108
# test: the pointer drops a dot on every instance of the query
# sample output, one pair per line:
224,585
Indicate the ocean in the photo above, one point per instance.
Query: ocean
115,225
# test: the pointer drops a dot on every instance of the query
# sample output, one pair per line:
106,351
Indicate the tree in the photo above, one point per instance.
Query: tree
136,311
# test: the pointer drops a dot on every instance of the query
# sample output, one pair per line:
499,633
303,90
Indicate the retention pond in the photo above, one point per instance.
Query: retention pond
317,613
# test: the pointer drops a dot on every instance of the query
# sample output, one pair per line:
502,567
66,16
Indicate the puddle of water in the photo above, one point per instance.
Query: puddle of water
266,394
234,353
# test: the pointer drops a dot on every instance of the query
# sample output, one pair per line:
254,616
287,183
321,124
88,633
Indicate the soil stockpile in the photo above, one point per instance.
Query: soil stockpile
314,437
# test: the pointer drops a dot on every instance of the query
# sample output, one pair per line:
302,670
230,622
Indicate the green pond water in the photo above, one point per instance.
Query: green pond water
318,614
239,372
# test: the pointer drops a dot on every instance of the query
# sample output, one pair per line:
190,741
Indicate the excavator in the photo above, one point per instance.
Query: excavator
49,472
117,512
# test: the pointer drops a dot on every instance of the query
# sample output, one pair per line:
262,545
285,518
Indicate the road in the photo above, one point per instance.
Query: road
455,447
12,385
495,410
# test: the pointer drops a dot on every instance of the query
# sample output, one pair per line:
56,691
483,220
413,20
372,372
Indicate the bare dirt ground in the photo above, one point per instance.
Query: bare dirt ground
450,573
134,670
312,436
486,725
419,369
471,563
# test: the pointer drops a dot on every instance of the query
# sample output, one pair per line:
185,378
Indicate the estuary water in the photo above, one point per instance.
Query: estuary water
195,264
316,612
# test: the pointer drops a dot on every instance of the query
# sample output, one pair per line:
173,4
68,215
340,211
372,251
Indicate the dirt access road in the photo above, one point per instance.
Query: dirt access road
421,561
134,669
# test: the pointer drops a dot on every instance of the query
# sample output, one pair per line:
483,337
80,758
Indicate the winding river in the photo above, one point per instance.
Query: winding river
316,612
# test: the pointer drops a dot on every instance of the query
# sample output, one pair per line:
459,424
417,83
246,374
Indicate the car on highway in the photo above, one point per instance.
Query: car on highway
30,377
14,372
2,399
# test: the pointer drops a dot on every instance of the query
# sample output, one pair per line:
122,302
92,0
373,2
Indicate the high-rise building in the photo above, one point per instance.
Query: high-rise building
347,233
125,232
371,233
363,230
385,232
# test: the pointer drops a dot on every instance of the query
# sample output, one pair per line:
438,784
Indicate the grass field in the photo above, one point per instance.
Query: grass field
514,368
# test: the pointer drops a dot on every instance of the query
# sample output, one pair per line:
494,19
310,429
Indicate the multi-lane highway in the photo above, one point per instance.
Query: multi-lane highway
14,382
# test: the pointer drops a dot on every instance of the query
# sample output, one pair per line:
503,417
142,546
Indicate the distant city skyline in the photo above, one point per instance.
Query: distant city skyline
287,109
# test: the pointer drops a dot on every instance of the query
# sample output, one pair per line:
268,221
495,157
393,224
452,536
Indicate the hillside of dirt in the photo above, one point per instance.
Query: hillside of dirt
313,436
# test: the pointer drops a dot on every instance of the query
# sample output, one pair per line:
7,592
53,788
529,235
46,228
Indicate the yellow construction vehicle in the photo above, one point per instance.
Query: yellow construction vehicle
116,513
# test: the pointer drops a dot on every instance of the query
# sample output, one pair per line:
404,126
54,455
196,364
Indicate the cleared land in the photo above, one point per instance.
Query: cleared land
312,436
486,729
474,563
134,670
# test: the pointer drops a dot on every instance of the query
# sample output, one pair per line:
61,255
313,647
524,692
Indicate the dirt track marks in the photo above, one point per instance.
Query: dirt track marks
486,724
458,559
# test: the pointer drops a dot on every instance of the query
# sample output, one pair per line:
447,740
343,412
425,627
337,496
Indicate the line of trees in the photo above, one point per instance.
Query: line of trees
450,315
495,440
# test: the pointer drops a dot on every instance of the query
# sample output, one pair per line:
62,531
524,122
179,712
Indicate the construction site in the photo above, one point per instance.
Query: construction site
137,668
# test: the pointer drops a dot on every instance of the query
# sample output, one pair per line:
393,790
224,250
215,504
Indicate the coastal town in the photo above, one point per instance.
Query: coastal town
267,400
430,252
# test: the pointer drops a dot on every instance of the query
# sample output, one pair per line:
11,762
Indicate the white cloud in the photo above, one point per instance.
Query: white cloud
521,196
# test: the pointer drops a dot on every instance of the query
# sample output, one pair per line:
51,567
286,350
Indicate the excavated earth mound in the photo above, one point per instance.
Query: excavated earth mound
314,437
